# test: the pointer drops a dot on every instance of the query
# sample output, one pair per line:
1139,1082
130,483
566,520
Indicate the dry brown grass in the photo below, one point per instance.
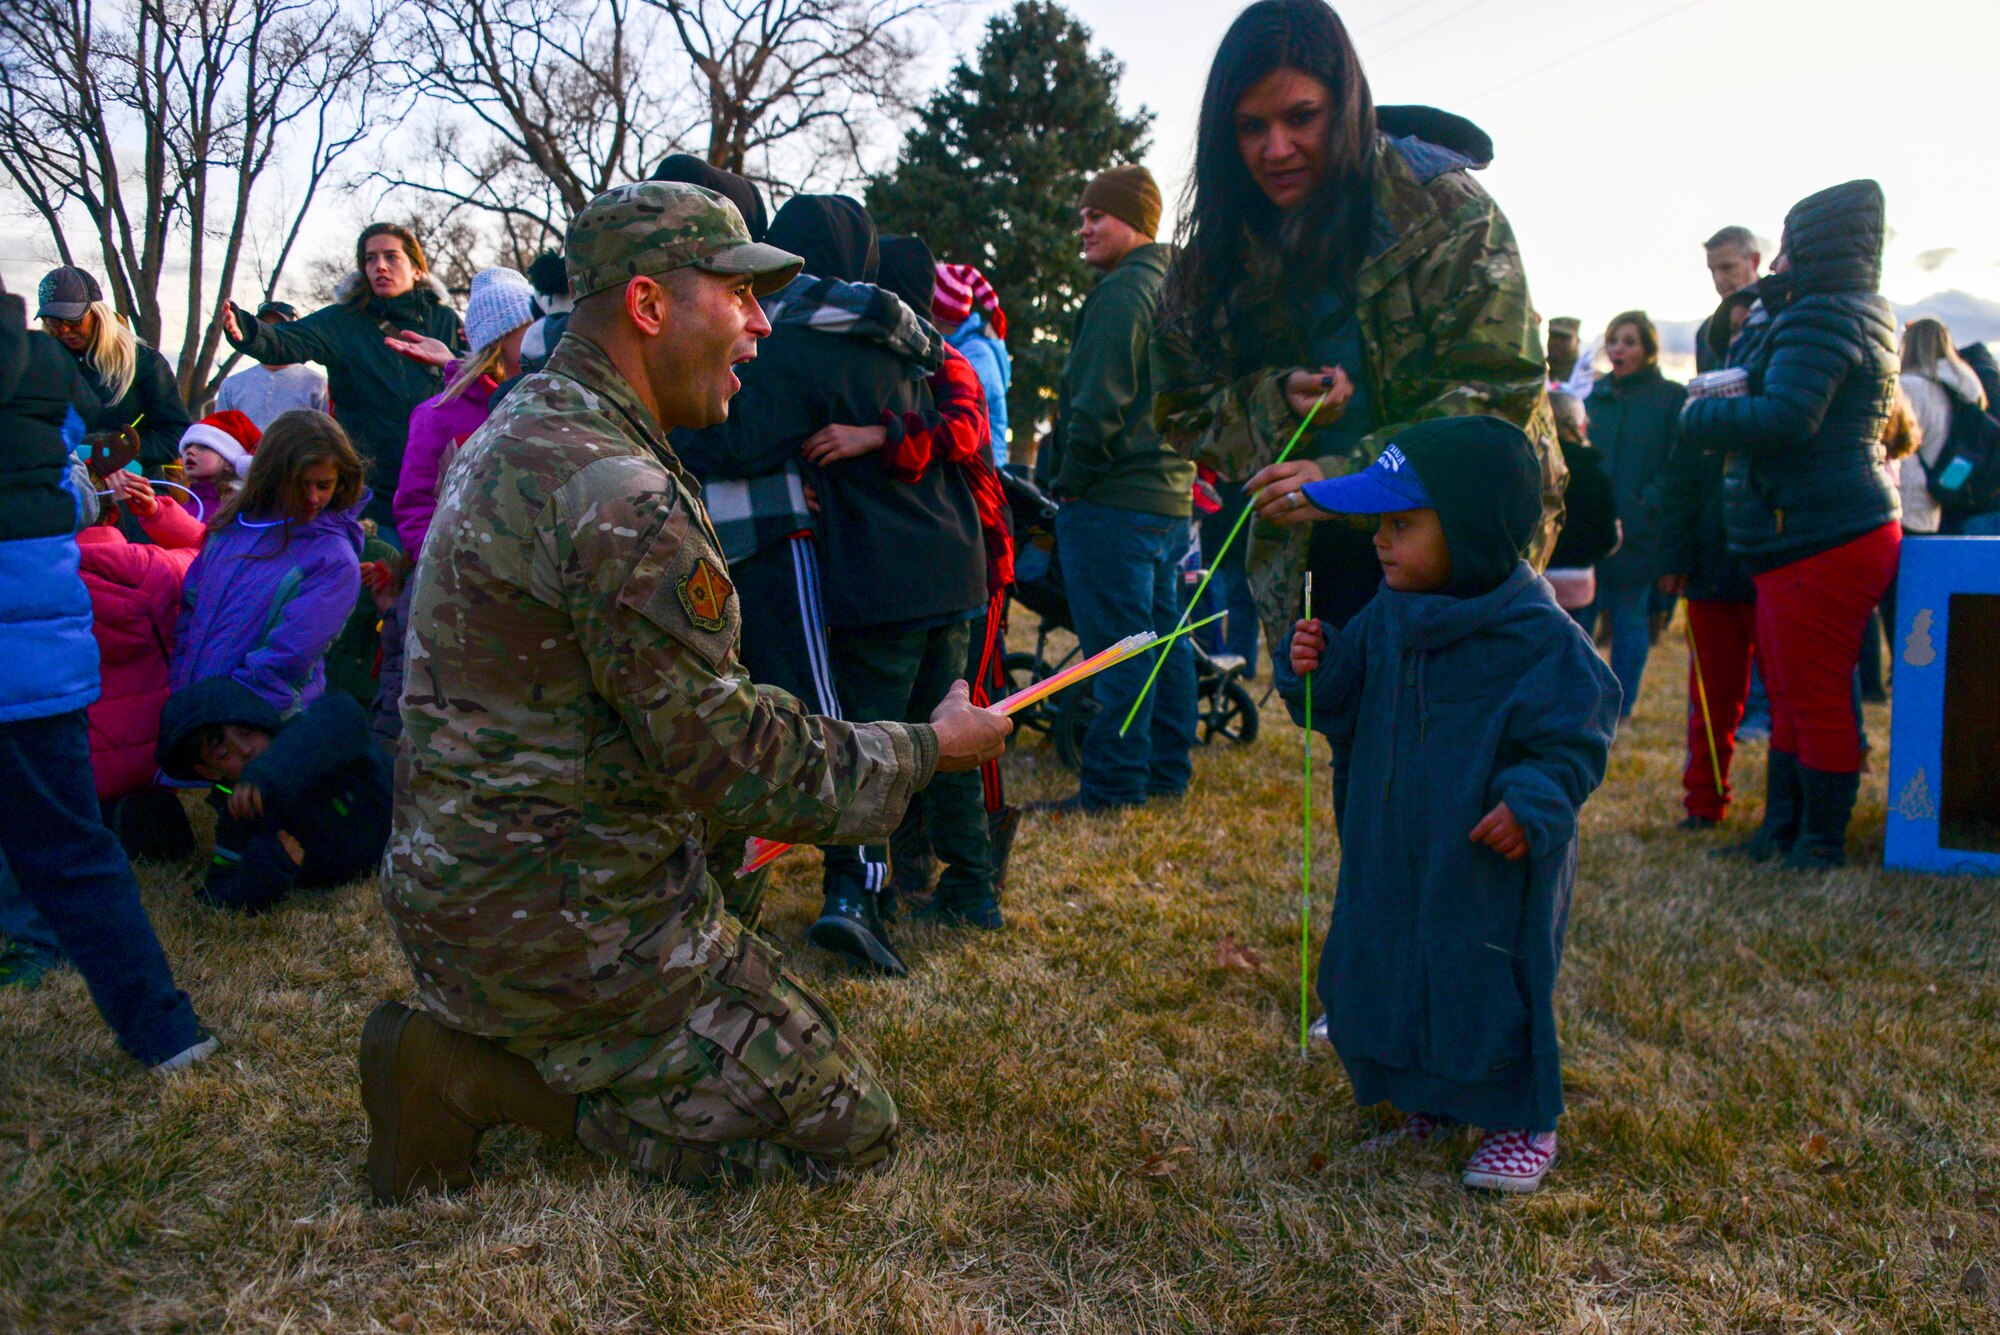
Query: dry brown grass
1783,1094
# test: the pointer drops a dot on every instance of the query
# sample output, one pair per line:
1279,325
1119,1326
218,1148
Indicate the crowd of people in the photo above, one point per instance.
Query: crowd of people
699,533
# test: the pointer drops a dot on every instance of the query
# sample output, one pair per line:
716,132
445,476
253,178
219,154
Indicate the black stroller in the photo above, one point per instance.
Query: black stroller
1224,707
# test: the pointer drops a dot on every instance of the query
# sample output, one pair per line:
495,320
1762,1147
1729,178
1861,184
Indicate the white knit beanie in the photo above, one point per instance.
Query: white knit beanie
502,301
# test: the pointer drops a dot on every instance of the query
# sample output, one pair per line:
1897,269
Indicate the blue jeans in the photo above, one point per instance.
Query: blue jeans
19,922
1121,569
1627,605
73,873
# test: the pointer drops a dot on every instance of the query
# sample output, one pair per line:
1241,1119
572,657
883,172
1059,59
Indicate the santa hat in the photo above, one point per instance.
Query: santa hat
230,434
960,287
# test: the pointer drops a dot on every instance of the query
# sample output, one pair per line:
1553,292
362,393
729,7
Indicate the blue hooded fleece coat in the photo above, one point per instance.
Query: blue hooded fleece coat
1439,970
263,606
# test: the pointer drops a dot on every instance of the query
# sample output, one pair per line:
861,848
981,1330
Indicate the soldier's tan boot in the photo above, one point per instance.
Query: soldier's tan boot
430,1092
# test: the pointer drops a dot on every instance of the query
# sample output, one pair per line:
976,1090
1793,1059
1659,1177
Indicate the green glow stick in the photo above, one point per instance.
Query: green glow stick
1216,564
760,853
1306,846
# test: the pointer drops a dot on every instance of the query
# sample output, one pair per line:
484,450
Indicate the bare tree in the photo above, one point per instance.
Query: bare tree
809,74
161,121
540,104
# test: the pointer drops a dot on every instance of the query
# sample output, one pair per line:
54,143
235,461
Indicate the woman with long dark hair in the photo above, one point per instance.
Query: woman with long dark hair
1334,254
390,292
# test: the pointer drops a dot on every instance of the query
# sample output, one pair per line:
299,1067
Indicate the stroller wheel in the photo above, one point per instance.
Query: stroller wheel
1229,713
1072,721
1024,670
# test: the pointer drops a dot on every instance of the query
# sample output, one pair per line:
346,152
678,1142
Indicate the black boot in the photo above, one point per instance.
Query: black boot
1001,826
1829,804
850,924
1783,804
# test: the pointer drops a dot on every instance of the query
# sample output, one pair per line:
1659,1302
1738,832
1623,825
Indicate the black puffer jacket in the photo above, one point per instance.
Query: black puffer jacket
1805,470
1634,423
153,399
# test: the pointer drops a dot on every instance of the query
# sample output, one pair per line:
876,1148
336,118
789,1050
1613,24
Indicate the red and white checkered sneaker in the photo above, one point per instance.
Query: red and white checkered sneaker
1515,1161
1414,1129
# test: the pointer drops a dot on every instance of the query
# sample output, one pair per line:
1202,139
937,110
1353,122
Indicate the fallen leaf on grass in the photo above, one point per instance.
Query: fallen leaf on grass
36,1142
1237,958
1974,1280
407,1321
1317,1162
1597,1272
1985,1198
1165,1162
520,1251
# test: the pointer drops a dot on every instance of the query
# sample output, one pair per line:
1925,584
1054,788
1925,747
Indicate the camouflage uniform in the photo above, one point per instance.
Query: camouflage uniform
578,732
1446,328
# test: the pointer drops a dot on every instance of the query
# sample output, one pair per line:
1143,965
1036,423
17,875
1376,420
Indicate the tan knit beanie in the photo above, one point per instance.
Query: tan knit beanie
1128,194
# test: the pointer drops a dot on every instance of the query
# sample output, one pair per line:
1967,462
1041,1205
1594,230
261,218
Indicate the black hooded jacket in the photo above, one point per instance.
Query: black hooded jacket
890,552
1805,468
691,170
323,782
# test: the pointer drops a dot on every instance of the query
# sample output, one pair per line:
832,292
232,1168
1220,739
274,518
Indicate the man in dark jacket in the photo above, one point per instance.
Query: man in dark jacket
69,866
1733,261
1808,504
902,563
304,802
1124,526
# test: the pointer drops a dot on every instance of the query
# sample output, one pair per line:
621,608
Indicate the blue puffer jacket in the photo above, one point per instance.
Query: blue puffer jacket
50,666
1805,470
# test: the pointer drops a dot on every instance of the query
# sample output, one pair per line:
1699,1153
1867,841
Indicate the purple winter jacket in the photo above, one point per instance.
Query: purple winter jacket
263,610
437,427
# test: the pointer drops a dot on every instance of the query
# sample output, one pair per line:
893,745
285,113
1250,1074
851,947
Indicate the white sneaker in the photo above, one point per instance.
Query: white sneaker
200,1049
1512,1161
1317,1030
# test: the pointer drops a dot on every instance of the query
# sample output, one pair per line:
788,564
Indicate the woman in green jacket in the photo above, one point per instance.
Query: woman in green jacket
374,389
1331,250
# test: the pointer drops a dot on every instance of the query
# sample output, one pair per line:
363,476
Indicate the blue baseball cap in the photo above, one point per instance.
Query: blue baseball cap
1390,483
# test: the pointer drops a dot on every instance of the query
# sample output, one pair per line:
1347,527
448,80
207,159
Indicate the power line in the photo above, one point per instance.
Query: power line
1381,23
1580,51
1407,38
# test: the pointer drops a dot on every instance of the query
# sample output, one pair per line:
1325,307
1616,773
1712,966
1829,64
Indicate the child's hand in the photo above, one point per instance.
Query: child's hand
292,849
1308,643
136,493
1503,834
379,578
246,803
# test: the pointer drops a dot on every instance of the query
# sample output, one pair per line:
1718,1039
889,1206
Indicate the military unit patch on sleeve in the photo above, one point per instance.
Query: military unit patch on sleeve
705,594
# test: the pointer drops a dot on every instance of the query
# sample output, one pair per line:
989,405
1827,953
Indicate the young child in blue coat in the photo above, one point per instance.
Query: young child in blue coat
1473,719
303,802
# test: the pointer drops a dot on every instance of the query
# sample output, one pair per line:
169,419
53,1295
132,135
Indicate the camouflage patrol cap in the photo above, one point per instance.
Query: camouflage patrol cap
652,227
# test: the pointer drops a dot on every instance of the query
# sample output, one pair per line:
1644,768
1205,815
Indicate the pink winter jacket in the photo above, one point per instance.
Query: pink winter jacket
135,595
437,427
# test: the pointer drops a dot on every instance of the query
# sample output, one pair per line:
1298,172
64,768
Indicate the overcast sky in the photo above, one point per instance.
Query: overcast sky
1616,155
1624,132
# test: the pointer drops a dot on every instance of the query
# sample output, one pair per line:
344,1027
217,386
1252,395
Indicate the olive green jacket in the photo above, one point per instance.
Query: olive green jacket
1446,329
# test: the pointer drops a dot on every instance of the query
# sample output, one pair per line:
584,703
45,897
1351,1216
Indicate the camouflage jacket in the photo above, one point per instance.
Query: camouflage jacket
576,728
1446,328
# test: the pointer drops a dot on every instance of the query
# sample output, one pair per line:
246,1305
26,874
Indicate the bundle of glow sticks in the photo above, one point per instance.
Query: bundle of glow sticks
760,853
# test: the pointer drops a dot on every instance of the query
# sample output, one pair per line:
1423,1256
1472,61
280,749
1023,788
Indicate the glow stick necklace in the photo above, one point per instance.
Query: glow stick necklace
760,853
200,511
1216,563
1306,845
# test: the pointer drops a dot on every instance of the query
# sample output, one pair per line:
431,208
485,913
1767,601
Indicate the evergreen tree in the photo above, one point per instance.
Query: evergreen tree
991,174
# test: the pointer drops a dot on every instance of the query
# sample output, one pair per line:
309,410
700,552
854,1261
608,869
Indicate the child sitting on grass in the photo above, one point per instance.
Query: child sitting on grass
1473,718
301,803
281,569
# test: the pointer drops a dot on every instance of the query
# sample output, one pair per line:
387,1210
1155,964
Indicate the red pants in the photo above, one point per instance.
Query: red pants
1810,616
1720,637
